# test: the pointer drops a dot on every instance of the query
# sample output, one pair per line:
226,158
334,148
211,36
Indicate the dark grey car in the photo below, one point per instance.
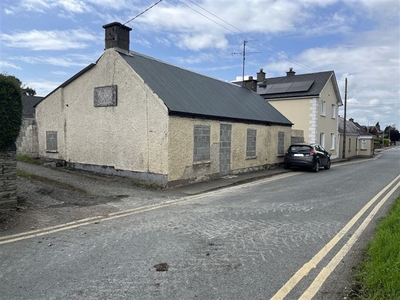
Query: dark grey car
310,156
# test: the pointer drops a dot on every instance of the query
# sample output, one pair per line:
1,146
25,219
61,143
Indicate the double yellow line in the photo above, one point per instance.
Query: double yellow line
329,268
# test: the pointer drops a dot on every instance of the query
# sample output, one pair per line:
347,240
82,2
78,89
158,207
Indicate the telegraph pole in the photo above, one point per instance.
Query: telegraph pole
344,121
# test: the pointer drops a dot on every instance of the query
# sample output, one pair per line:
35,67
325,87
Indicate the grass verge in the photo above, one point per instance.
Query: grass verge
31,176
28,159
378,274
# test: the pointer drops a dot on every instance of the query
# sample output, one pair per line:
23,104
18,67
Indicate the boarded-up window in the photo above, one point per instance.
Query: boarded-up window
51,141
251,143
105,96
281,143
201,135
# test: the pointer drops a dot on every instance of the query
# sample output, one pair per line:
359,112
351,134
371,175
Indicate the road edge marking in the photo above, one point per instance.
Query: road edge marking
326,271
307,267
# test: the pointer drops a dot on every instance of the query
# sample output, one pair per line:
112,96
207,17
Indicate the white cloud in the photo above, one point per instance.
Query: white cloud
74,6
8,65
196,59
202,41
64,61
49,40
42,86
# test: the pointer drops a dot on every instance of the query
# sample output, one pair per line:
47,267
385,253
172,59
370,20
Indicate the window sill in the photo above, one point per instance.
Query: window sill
51,151
251,157
203,162
280,155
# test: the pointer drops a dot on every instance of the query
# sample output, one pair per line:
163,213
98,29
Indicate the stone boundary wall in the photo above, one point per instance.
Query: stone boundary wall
8,179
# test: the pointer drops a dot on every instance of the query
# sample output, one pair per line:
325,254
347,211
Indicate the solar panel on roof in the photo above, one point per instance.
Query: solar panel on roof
289,87
300,86
279,88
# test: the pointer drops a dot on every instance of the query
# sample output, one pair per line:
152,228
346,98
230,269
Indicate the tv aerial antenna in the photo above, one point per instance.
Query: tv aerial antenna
243,53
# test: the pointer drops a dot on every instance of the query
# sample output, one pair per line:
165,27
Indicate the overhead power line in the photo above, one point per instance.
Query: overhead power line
246,36
147,9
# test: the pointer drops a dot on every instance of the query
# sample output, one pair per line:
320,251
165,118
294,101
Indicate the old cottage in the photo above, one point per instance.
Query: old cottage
135,116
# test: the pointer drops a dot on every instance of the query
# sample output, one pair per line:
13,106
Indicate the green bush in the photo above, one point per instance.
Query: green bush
10,111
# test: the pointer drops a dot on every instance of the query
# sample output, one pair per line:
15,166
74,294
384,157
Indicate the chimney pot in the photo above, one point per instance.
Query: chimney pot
290,72
261,76
117,36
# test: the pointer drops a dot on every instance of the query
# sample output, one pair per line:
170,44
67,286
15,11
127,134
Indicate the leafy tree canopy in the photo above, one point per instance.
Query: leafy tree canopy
10,110
25,90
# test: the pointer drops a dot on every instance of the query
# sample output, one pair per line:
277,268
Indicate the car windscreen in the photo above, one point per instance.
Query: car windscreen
299,149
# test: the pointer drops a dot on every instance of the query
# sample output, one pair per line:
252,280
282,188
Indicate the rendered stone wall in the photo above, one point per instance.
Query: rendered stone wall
27,142
8,179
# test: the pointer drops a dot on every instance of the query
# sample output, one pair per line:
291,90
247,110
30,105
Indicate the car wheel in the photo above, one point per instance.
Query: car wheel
316,166
328,165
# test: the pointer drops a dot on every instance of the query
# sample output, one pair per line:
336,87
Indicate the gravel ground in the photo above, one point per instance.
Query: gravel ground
51,196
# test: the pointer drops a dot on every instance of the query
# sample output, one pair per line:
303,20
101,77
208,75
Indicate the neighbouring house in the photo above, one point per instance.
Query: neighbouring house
311,101
27,142
359,143
135,116
373,130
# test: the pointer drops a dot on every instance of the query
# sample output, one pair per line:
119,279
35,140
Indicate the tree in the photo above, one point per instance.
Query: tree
378,126
25,90
10,110
392,133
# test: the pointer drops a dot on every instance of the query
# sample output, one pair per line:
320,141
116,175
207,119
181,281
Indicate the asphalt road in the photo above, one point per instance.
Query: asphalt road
260,240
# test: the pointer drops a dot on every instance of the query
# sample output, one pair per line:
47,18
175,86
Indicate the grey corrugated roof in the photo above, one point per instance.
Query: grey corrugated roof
351,128
320,79
187,93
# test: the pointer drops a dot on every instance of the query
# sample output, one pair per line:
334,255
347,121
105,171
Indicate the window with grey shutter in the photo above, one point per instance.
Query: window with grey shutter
51,141
281,143
201,150
251,143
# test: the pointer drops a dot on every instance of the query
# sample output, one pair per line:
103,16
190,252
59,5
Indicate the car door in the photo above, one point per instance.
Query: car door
323,159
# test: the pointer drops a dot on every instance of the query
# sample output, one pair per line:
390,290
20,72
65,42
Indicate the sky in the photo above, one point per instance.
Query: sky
45,42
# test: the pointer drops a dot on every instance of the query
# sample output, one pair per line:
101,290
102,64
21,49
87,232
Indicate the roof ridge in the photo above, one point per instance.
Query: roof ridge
133,53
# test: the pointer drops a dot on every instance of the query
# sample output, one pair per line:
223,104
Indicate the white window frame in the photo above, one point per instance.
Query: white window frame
333,141
363,144
322,139
333,111
323,108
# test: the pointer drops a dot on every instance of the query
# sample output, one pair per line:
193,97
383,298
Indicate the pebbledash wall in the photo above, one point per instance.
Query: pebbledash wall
181,144
27,142
128,139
